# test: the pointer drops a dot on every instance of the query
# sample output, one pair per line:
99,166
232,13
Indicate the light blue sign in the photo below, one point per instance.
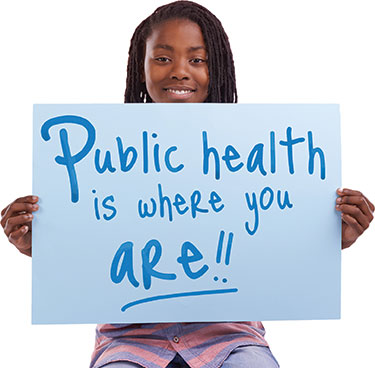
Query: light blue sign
186,212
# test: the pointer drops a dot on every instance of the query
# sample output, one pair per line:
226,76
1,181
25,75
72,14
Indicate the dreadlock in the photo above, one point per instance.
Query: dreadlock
222,79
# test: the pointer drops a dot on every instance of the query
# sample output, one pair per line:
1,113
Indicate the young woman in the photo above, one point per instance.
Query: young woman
181,53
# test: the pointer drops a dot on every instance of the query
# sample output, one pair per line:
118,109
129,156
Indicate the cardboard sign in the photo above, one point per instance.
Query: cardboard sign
186,212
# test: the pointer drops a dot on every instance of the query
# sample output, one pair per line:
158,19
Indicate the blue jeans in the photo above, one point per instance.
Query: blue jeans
250,356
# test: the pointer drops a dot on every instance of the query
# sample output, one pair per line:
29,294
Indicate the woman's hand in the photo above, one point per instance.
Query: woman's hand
356,214
16,220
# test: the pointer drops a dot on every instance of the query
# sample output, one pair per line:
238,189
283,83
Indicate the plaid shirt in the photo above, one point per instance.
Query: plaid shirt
201,345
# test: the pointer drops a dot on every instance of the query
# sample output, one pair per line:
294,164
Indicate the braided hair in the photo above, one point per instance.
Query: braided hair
222,79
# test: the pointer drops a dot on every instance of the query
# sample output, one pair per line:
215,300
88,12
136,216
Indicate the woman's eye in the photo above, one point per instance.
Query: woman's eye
162,59
198,60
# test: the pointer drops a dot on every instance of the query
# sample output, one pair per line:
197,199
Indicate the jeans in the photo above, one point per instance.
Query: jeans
250,356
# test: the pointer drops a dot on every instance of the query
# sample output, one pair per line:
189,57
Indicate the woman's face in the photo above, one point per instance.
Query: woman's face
175,65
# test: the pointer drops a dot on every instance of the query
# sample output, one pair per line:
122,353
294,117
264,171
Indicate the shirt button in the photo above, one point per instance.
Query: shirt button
176,339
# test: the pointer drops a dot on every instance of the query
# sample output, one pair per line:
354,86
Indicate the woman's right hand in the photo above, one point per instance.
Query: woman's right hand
16,220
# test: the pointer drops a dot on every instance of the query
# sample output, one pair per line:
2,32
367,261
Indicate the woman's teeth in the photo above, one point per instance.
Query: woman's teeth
179,92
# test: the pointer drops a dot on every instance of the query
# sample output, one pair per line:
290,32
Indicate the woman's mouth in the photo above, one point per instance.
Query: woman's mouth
179,93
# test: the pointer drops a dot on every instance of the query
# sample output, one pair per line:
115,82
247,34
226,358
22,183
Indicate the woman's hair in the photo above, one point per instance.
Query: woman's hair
222,79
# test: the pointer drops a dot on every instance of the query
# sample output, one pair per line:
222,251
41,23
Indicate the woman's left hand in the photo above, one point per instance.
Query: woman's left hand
356,214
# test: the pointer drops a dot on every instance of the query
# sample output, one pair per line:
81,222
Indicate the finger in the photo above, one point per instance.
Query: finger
13,222
353,223
15,208
15,236
360,202
20,207
350,192
28,199
355,213
371,206
4,210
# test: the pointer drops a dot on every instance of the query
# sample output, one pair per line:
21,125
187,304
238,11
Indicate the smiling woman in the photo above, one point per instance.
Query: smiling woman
175,66
286,52
180,53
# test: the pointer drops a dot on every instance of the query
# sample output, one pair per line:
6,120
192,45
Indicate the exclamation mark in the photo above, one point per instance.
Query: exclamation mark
220,247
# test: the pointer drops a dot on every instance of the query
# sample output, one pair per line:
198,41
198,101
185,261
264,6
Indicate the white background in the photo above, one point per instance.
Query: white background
289,51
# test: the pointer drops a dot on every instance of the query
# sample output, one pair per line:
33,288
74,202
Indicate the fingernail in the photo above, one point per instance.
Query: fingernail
25,229
34,198
341,190
35,207
339,200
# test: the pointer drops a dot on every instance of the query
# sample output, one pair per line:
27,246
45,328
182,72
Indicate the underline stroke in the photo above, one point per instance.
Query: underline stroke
177,295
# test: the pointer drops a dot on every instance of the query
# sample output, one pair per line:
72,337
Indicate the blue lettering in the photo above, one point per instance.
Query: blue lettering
289,144
185,259
179,200
286,202
232,154
148,265
168,161
146,212
252,206
67,159
255,159
312,152
272,152
125,166
107,165
145,152
215,198
109,207
163,200
126,253
206,156
270,200
195,198
156,157
96,206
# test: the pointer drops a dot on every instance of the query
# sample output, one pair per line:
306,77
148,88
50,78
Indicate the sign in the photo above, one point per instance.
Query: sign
186,212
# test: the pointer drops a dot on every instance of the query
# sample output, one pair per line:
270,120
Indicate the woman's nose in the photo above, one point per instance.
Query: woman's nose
179,71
